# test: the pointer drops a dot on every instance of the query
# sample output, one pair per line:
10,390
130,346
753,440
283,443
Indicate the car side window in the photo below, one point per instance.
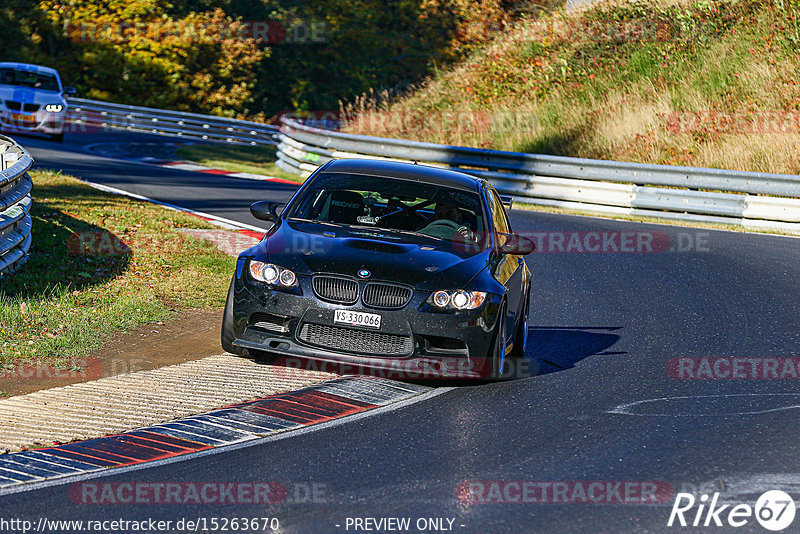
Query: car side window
498,213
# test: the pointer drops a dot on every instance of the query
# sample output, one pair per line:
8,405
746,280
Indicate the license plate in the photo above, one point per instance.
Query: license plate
18,117
354,318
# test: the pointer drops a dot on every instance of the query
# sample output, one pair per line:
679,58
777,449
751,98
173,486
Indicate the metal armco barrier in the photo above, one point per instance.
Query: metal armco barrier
691,194
88,114
15,205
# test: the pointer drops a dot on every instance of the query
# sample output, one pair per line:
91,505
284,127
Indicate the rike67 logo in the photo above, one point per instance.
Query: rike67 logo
774,510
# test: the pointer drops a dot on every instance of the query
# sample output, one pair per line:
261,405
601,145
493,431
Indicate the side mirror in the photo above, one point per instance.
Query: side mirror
516,244
267,210
69,90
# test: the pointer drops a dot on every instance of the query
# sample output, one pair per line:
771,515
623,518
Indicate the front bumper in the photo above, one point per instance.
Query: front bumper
416,341
42,121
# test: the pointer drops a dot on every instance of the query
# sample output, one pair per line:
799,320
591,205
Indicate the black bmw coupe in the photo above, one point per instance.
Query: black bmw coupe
383,265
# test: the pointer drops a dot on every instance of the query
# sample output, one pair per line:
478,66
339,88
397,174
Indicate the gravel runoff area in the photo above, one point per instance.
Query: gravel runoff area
118,403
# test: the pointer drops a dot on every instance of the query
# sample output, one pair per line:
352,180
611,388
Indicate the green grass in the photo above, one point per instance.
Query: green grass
252,159
68,299
607,81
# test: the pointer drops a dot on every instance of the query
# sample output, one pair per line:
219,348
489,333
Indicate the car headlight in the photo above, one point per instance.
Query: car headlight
457,300
54,108
272,274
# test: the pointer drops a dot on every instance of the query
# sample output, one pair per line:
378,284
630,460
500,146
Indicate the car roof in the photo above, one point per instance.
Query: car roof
27,66
406,171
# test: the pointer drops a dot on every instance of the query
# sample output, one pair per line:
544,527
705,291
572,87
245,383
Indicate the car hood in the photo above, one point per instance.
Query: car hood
309,248
27,95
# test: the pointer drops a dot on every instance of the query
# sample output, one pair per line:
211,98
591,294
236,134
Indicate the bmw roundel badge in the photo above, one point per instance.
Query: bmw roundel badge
363,273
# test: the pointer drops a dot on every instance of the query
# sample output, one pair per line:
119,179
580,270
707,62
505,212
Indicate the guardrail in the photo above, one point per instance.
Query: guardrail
15,205
86,114
756,200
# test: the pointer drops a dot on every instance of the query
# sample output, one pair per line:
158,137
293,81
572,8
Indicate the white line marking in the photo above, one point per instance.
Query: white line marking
183,166
624,409
214,219
250,176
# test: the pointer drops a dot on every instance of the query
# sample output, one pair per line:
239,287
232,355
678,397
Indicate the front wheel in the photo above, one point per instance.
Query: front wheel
521,335
227,324
493,366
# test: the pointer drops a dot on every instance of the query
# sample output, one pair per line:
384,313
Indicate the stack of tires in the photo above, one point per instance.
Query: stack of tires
15,205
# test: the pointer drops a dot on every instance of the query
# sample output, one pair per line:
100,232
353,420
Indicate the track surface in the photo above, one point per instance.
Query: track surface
603,328
225,197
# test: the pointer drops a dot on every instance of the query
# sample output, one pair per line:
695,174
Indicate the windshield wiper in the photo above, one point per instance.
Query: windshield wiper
374,229
378,229
412,232
300,219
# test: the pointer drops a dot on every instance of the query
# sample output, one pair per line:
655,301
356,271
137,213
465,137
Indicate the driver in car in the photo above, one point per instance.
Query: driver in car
446,223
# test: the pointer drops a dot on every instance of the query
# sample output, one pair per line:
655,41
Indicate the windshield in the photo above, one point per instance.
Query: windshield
25,78
391,204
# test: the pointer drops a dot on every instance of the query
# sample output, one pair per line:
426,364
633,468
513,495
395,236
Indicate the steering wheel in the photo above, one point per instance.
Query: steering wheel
460,229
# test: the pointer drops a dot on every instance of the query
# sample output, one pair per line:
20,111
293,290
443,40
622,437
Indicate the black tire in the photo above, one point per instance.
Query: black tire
493,366
521,336
58,138
227,325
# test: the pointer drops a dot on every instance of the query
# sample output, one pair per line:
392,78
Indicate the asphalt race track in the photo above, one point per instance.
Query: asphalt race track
229,198
596,399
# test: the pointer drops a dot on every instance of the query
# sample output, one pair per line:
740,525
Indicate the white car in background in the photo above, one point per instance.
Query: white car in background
32,100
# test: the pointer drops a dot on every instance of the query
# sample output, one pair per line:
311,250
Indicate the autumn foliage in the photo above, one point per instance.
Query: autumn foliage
212,55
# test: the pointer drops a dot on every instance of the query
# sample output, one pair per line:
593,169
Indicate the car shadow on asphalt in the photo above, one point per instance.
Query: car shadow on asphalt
553,349
549,350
